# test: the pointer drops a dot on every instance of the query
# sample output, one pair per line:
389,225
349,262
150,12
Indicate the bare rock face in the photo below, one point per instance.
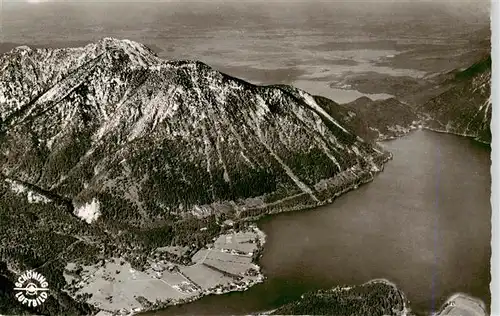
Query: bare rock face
127,136
464,108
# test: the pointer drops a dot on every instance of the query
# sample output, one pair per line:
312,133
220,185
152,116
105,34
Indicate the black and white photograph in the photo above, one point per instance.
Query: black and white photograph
247,157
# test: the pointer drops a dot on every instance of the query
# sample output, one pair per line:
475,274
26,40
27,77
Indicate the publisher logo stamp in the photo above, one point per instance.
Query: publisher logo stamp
31,288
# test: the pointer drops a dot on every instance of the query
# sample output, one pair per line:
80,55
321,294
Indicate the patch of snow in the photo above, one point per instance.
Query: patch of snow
3,99
220,94
286,168
16,187
329,154
226,175
262,108
50,142
310,101
356,150
37,198
32,196
89,212
246,159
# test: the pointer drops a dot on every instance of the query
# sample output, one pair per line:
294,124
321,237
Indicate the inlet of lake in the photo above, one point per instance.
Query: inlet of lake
423,223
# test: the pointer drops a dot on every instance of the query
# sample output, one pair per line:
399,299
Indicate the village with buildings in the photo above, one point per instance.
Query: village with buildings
116,288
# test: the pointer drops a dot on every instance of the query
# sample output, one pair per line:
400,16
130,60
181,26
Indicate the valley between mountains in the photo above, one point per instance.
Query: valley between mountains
118,165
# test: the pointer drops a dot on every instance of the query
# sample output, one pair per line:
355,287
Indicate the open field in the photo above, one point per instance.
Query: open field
116,287
240,241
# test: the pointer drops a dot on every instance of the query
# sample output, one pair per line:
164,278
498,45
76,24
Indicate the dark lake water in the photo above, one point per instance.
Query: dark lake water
423,223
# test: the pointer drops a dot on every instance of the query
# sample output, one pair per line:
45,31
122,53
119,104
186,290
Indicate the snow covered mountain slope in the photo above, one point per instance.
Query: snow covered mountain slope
127,136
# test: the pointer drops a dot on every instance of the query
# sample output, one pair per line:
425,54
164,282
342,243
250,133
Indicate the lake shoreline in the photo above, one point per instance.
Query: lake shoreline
224,290
254,221
413,129
472,137
115,288
262,239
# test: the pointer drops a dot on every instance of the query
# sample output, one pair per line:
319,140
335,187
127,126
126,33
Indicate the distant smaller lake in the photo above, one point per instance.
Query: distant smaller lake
323,89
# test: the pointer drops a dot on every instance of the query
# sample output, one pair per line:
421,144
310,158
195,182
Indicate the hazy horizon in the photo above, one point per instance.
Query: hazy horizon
308,43
466,11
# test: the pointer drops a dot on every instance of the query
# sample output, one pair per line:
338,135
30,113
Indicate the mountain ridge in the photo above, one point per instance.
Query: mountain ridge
104,121
465,107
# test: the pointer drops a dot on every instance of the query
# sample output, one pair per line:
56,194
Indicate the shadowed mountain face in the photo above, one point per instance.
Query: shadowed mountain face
464,107
350,117
112,124
373,120
387,119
